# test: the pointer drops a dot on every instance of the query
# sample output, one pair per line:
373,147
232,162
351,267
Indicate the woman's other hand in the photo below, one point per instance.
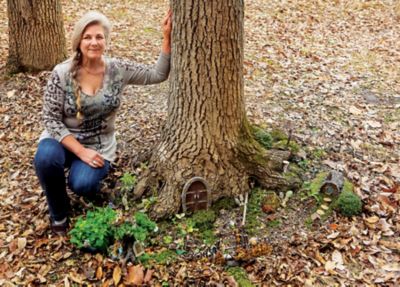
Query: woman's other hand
91,157
167,28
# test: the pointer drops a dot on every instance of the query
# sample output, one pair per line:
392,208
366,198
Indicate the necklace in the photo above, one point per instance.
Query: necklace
93,73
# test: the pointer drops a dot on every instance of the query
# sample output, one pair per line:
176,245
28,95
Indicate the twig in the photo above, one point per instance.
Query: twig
246,197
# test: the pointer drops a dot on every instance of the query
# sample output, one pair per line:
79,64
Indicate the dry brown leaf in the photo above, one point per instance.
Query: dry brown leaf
148,276
372,220
66,282
99,273
21,243
135,275
117,274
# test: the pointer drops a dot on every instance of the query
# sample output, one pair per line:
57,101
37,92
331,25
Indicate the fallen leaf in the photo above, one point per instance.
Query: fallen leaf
99,273
392,267
66,282
355,111
117,274
148,276
21,243
372,219
135,275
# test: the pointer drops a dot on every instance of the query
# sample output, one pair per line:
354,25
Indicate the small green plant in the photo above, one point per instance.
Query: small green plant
167,239
262,136
240,276
128,181
95,230
147,203
100,228
349,203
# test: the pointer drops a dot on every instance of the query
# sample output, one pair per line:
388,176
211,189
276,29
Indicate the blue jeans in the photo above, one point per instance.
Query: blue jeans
51,159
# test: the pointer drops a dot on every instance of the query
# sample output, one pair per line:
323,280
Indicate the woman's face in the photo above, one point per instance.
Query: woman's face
93,42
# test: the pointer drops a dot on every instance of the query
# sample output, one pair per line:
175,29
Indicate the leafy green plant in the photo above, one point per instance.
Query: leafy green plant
95,230
99,229
128,181
147,203
167,239
349,203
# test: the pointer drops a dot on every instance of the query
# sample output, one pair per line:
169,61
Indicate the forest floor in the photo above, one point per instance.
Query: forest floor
328,71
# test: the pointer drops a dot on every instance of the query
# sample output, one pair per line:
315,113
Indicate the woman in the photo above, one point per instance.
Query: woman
80,104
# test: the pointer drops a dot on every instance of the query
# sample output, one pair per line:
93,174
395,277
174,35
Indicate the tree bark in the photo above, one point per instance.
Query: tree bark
36,35
207,133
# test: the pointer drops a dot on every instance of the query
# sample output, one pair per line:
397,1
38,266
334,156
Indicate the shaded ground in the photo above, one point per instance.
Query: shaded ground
327,70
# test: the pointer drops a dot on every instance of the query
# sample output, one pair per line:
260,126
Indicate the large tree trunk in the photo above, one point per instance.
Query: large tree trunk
36,35
207,133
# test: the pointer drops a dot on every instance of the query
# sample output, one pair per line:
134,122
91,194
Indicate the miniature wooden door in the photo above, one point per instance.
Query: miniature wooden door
195,195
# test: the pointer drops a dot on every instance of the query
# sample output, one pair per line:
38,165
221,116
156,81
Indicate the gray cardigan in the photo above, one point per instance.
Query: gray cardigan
96,130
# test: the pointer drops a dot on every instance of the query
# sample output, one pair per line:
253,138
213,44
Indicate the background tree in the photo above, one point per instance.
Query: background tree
36,35
207,133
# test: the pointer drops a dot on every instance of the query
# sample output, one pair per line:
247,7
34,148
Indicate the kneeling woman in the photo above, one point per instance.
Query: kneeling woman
80,104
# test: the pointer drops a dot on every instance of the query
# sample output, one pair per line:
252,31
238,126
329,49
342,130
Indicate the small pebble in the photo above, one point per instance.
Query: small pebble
253,241
320,212
327,199
323,206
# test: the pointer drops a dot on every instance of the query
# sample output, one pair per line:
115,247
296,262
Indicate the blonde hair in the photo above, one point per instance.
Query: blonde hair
90,18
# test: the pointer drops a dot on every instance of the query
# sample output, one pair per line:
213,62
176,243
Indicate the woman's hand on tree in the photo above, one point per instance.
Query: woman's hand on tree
91,157
167,28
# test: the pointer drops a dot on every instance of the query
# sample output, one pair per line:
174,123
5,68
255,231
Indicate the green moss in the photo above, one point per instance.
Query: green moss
209,237
278,135
317,182
240,276
262,137
164,257
203,219
274,223
347,186
282,144
296,169
349,203
226,203
254,210
312,188
318,153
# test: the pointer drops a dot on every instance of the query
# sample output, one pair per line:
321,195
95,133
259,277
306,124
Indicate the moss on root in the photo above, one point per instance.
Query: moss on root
348,203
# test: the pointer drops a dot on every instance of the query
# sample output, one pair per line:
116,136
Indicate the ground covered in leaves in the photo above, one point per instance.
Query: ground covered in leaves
326,71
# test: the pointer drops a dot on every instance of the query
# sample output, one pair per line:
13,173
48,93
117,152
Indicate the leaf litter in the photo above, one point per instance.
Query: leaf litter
328,71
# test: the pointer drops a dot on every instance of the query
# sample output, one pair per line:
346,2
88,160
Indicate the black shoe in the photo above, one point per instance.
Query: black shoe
59,229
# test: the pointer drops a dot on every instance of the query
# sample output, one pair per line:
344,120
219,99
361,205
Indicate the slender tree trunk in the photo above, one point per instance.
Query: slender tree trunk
207,133
36,35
